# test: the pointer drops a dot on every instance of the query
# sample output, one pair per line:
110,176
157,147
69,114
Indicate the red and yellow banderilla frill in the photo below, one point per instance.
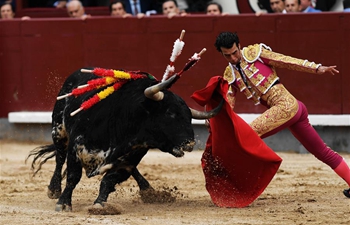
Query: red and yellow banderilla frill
113,79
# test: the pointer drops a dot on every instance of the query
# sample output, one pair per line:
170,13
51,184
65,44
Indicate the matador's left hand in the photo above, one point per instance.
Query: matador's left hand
329,69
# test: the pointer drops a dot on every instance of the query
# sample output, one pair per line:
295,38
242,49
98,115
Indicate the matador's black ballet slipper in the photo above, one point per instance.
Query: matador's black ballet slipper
347,192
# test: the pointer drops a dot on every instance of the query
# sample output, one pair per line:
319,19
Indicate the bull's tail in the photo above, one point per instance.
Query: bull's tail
41,155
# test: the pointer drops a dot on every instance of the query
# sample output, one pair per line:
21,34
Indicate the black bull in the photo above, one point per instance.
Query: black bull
114,135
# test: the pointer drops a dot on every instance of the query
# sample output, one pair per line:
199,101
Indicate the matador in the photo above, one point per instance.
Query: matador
251,70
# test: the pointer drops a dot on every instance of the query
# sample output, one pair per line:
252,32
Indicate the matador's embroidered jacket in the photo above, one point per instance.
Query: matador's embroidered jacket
258,64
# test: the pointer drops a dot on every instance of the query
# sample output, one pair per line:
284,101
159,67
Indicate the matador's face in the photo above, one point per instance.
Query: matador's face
232,55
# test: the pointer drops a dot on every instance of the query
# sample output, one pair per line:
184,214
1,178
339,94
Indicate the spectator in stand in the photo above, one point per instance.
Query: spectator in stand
12,2
346,5
278,6
292,6
7,12
170,9
306,6
75,9
141,8
196,6
325,5
192,6
265,5
214,8
117,8
52,3
183,5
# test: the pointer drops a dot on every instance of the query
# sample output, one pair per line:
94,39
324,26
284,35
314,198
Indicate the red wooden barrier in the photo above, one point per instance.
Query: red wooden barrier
36,55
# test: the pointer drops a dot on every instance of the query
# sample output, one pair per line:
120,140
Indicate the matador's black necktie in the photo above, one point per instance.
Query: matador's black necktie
242,73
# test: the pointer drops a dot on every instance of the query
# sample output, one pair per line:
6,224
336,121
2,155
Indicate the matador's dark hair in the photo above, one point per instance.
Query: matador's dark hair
226,40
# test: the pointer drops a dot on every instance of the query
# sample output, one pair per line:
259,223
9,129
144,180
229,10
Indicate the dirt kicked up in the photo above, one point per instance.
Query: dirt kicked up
304,191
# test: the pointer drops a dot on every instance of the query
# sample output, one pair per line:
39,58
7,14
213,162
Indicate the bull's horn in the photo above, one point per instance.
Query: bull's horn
201,115
154,92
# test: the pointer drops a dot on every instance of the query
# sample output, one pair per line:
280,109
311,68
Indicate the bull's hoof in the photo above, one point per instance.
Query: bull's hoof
64,207
53,194
347,192
105,209
177,152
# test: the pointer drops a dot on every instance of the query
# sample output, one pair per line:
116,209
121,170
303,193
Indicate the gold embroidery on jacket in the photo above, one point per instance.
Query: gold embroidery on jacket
251,52
256,80
283,107
260,81
231,96
251,71
242,87
288,62
268,82
228,75
244,64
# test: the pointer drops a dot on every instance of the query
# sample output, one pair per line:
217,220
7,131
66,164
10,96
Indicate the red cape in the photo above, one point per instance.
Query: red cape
237,164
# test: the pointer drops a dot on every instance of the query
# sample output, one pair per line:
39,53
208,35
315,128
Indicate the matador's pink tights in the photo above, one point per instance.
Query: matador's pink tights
301,129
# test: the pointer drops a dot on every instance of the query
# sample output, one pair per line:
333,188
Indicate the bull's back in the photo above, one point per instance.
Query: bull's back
110,118
74,80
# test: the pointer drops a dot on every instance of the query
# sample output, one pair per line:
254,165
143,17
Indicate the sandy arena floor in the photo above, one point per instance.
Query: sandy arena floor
304,191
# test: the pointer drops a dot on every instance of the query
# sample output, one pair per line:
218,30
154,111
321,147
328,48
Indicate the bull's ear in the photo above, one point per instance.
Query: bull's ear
201,115
154,92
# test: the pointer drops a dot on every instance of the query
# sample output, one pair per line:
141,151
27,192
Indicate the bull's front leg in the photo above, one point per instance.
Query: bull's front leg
109,180
74,172
141,180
